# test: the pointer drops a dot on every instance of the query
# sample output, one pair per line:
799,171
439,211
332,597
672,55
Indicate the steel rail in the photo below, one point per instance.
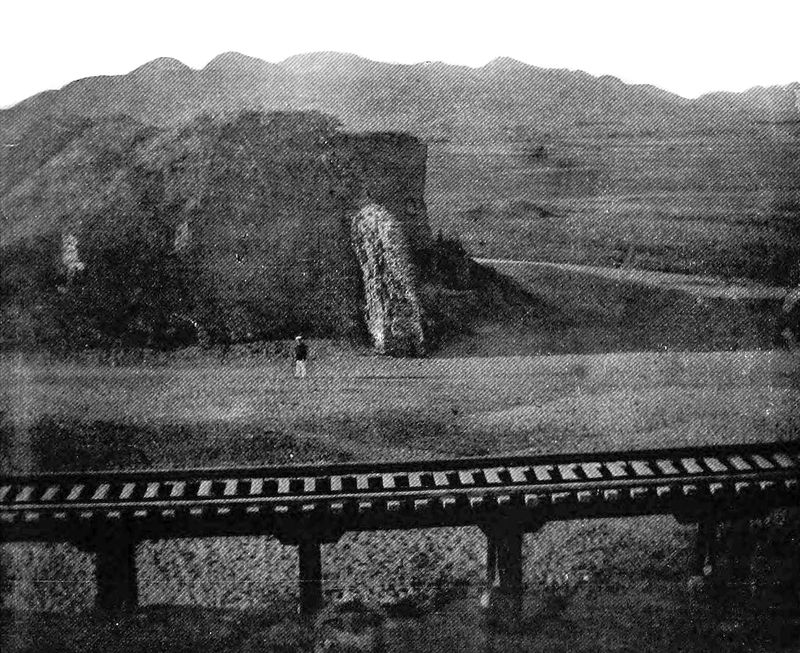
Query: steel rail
378,467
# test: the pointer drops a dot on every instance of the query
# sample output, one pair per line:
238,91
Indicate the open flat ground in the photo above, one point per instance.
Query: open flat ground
628,364
370,408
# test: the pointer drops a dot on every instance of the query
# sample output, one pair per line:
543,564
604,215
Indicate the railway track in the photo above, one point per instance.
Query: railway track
308,505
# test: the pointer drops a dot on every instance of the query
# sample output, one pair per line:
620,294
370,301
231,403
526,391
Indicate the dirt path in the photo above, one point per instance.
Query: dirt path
696,285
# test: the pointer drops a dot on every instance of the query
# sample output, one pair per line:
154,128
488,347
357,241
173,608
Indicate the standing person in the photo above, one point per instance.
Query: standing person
300,356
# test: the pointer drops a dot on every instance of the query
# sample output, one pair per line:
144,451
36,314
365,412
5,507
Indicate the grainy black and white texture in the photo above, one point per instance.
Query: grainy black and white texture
498,260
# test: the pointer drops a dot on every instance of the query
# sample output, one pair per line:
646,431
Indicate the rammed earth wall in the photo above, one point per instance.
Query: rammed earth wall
318,235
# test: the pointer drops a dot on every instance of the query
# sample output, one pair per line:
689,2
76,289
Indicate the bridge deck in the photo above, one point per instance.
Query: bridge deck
220,501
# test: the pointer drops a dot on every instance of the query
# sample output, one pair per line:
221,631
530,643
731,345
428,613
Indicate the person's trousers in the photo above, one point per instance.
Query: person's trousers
300,368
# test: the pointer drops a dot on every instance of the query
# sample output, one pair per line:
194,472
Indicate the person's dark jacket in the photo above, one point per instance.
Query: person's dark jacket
300,351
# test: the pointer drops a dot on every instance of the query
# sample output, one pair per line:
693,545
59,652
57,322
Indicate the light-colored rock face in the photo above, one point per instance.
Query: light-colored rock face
392,312
181,236
69,254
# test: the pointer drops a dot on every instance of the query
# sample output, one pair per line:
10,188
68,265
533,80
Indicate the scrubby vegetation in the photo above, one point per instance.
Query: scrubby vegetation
605,585
132,292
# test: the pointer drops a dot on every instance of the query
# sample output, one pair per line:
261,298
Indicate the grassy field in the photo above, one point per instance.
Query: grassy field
628,365
684,204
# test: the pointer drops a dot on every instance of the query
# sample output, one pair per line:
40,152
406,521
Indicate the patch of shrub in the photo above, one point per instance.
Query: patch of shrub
422,582
29,296
445,263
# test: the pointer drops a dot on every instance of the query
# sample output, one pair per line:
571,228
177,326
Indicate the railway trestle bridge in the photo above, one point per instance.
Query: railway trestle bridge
108,513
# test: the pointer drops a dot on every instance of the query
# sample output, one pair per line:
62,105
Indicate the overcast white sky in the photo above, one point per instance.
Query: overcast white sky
688,47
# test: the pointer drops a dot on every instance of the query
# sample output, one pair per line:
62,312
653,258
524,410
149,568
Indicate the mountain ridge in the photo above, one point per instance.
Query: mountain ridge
428,99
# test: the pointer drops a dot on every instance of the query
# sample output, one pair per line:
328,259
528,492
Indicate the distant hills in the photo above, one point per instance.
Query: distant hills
501,100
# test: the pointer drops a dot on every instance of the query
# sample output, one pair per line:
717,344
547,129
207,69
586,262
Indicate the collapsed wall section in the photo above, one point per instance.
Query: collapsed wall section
384,178
392,311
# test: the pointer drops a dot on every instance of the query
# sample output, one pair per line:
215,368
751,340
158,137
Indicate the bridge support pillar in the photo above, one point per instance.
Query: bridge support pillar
740,553
704,557
503,596
115,569
309,556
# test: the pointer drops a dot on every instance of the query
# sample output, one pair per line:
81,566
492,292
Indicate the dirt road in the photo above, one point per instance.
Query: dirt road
696,285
